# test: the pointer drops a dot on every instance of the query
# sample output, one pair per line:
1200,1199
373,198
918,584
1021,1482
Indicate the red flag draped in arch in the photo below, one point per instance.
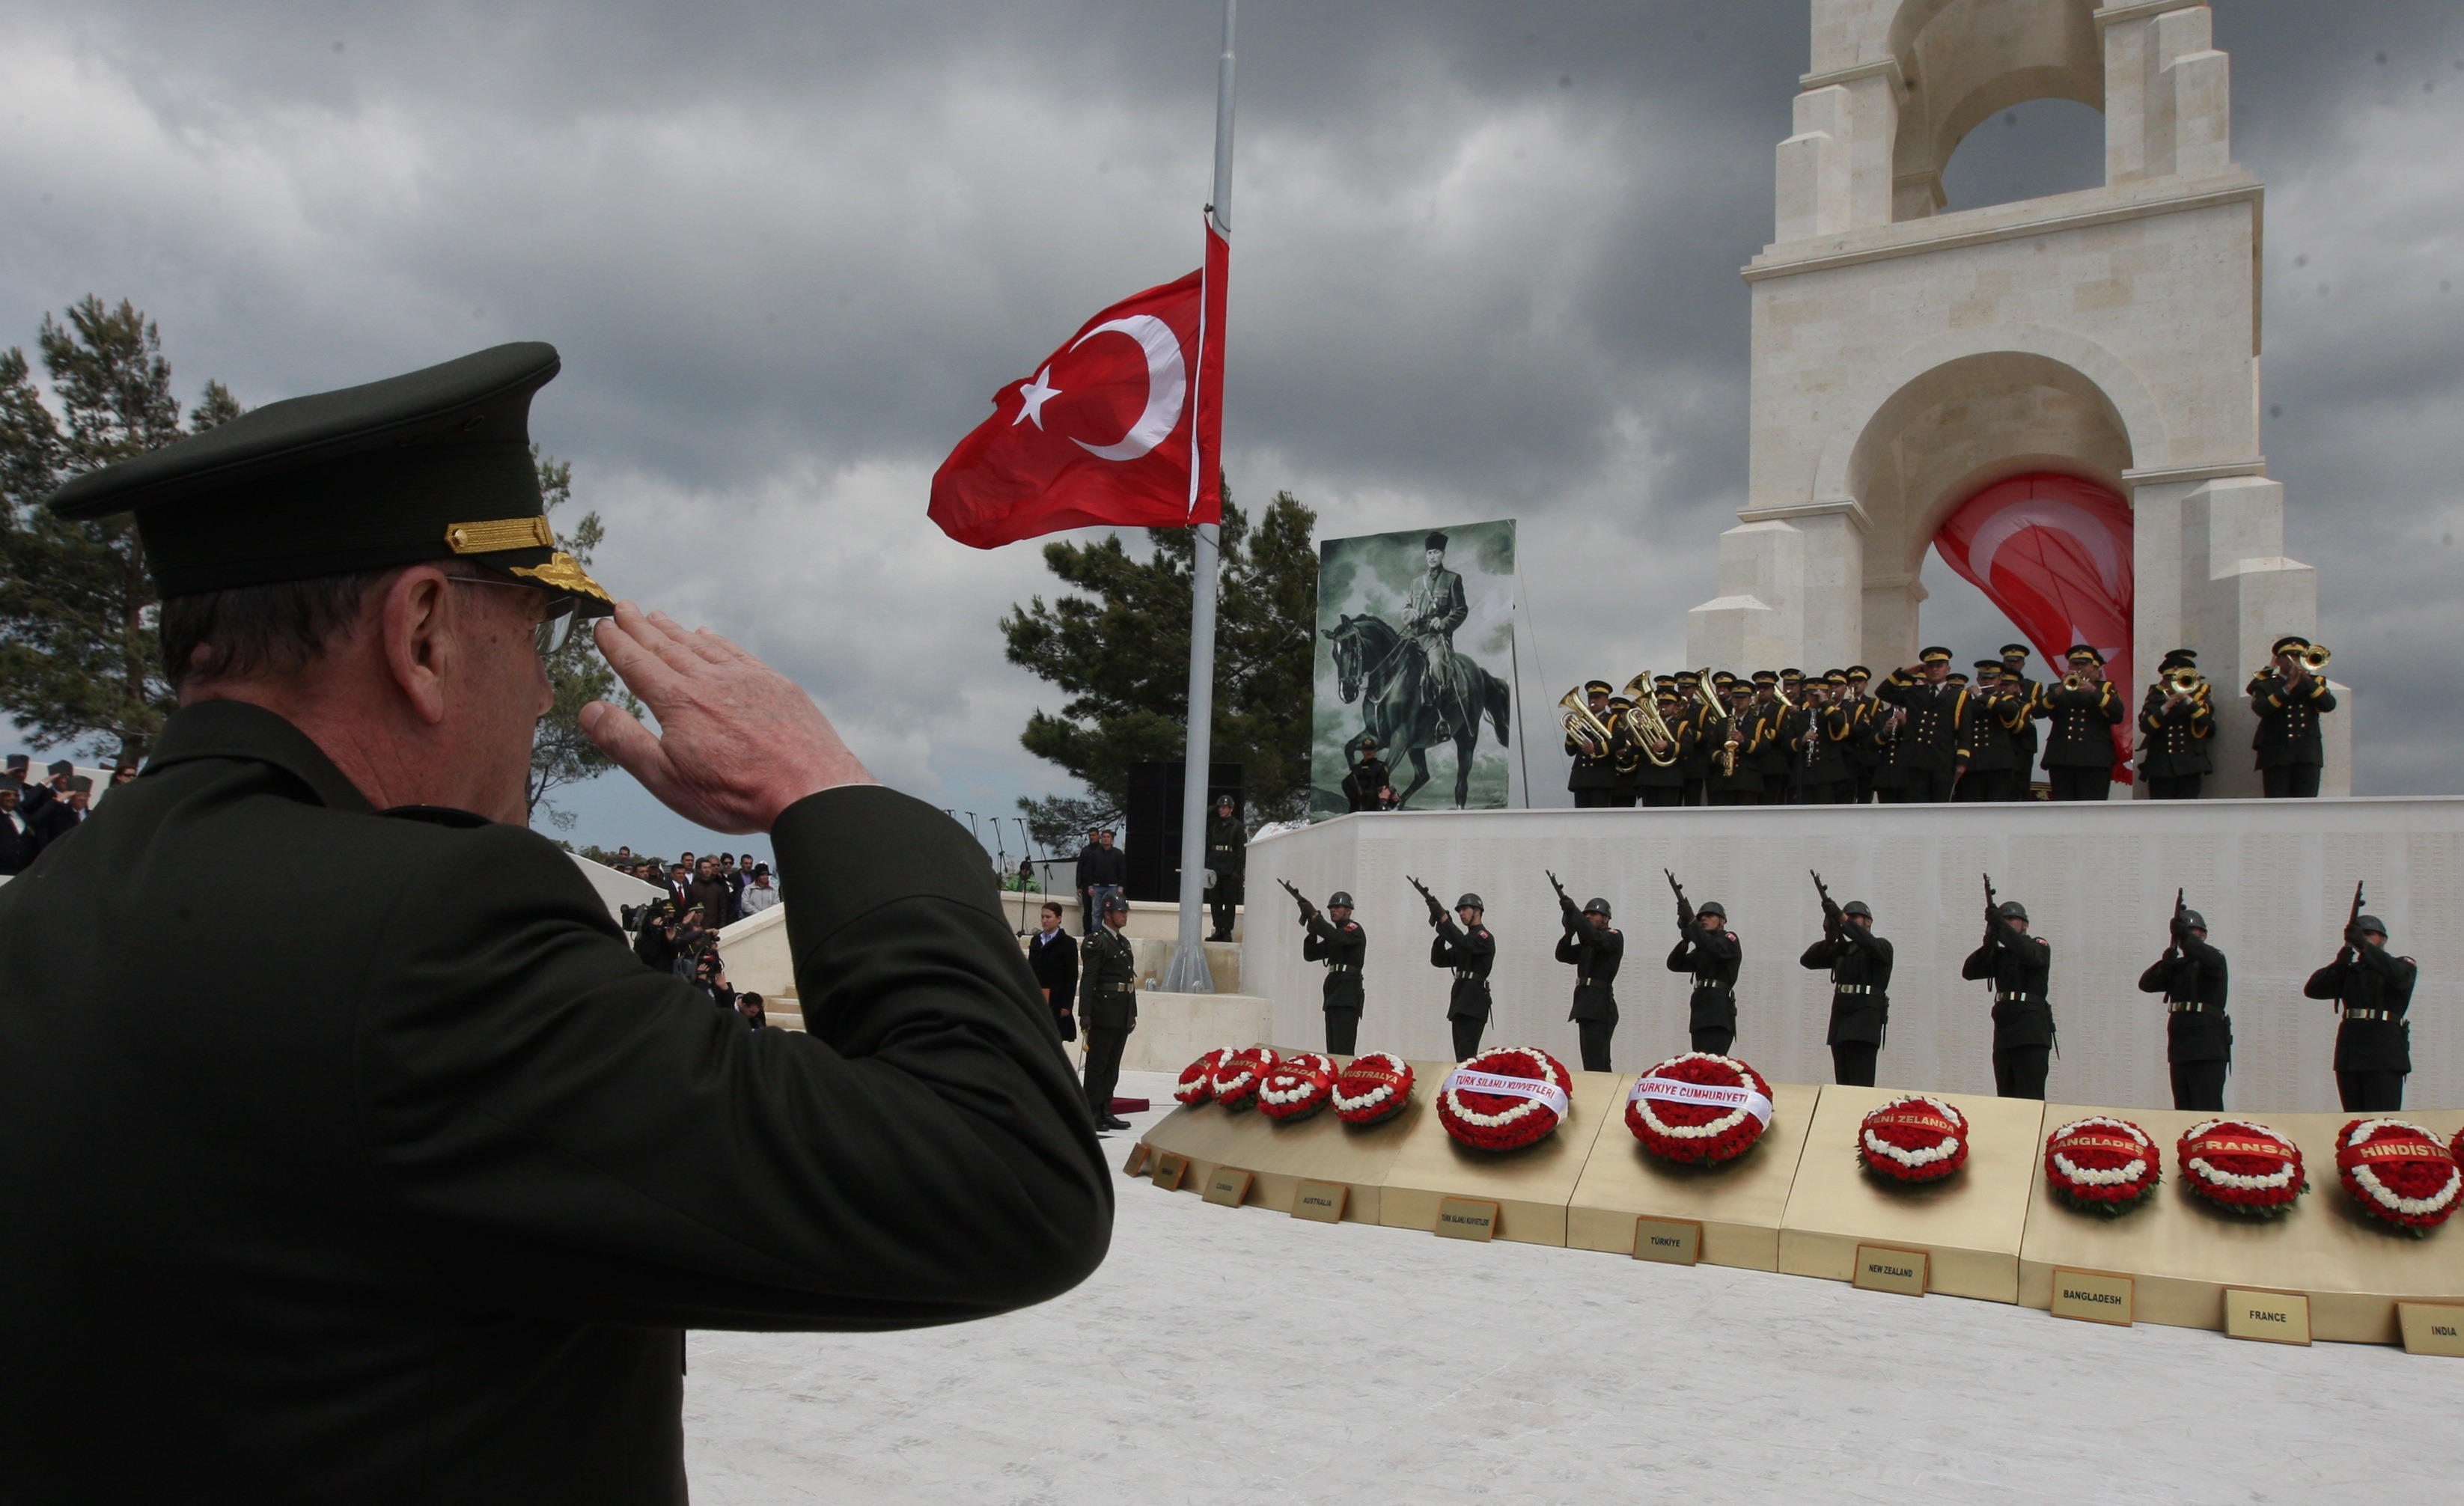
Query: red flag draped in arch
2053,552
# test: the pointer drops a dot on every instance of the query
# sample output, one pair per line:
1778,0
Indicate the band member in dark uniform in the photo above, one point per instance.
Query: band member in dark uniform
2374,1045
1336,939
2198,1033
1368,775
2179,726
1817,732
1860,988
1625,753
1736,747
2084,709
2023,740
1706,948
1661,784
1107,1004
2021,969
1228,854
1928,756
1595,948
1593,777
2289,697
1863,754
1987,756
1701,730
1465,947
1770,761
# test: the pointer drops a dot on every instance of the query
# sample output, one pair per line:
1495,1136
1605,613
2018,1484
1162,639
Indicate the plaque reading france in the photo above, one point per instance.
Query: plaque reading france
2276,1318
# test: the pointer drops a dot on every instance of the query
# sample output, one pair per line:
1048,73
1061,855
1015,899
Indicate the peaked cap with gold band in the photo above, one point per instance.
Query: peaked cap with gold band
431,465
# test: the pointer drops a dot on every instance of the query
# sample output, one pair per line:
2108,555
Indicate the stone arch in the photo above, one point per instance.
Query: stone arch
1964,61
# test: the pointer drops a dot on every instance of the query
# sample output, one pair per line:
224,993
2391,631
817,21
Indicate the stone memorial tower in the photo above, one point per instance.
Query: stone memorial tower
1904,360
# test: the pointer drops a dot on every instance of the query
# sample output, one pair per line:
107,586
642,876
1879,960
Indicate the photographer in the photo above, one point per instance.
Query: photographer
657,943
709,976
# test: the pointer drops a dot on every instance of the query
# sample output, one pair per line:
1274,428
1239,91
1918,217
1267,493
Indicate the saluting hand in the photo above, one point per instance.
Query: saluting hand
738,742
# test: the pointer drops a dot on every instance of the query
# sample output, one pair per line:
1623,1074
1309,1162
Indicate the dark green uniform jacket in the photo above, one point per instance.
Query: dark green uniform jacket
2177,739
1860,982
351,1157
1107,983
2375,988
2288,720
1713,959
1930,739
1596,954
1470,954
1342,947
2022,968
2192,977
1987,744
2078,727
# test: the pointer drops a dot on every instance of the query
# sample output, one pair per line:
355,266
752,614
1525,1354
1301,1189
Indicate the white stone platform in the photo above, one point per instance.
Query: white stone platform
1230,1356
2275,879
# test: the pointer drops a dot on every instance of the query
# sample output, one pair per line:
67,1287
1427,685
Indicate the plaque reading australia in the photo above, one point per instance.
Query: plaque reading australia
1320,1200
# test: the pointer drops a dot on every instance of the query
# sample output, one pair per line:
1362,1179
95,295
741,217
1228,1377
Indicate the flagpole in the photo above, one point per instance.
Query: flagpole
1188,972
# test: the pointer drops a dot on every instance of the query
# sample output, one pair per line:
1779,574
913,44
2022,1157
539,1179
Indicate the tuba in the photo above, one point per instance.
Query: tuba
1647,723
1583,726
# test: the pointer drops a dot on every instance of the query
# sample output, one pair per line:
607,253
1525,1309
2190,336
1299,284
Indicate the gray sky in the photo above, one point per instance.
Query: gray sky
1485,265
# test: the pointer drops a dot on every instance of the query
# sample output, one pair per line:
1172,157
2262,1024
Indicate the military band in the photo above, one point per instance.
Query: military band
2176,723
2288,698
2081,712
1591,743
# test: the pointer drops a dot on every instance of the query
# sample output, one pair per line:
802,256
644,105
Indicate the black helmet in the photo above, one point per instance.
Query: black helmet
1712,907
2012,910
1338,900
1470,903
2194,920
2369,922
1856,907
1596,906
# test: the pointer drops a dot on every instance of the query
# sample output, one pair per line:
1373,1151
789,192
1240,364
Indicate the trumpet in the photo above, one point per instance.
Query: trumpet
1582,725
2314,657
1649,726
2184,682
2075,681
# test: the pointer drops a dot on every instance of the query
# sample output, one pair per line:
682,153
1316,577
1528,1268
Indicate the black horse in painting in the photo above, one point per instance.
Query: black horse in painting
1384,670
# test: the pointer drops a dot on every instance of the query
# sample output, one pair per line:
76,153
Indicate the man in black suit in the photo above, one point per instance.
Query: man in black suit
1054,958
19,840
413,1195
67,811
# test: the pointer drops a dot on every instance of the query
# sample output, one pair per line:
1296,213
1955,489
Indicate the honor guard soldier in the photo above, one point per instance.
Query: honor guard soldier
1860,988
2021,970
1988,759
2289,697
1227,857
1928,756
1707,949
2373,988
1464,947
2082,712
1863,754
1595,948
1336,939
2198,1033
2023,740
1701,729
1108,1005
1736,763
2178,725
1593,776
390,1173
1368,776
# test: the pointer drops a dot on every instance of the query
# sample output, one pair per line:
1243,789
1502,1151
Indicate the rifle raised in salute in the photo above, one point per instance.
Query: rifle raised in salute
1308,911
1685,906
1437,910
1567,909
1832,919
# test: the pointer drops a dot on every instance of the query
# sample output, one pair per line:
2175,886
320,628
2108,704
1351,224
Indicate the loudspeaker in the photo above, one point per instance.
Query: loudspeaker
1151,838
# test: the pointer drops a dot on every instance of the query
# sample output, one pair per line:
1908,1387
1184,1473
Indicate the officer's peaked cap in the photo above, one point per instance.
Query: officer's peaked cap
1856,907
2013,910
1596,906
1859,671
2290,642
1712,907
1338,900
431,465
2085,654
2014,650
2370,923
1765,677
1470,903
1597,687
1934,656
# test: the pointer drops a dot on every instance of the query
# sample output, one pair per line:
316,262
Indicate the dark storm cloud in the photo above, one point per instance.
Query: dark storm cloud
1486,265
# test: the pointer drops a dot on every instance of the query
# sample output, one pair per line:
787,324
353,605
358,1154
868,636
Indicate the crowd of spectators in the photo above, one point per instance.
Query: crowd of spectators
676,931
37,813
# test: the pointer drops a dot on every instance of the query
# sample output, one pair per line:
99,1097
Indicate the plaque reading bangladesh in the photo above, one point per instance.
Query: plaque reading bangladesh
1320,1200
2276,1318
2092,1297
1670,1241
1882,1269
1228,1188
1467,1218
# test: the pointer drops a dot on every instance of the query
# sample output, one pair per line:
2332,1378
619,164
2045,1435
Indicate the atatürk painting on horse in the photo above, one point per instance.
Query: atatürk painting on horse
1406,707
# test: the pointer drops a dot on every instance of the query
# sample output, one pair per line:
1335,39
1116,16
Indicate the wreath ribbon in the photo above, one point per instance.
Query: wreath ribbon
1710,1094
1547,1092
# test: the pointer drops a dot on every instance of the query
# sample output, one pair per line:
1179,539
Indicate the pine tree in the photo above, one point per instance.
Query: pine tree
561,753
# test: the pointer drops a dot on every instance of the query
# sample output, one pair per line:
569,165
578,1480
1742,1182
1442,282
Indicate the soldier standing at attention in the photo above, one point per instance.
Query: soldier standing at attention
2198,1033
1228,854
2289,697
2023,738
1336,939
2021,969
2374,1045
1860,988
1595,948
418,1204
1107,1004
1927,755
1464,946
1368,776
2082,711
1593,777
2179,726
1706,948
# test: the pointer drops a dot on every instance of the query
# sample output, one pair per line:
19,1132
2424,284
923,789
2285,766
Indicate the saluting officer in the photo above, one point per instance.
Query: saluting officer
2198,1033
1108,1002
1595,948
1593,777
2374,1045
2289,697
2179,726
1860,988
1463,945
1336,939
2081,710
2021,970
1928,756
1706,948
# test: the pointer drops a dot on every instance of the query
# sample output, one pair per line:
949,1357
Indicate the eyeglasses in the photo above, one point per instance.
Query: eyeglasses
548,633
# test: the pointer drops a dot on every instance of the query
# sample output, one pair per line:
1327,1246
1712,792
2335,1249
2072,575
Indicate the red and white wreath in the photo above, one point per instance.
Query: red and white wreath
1373,1088
2102,1165
1197,1082
1914,1137
1236,1080
2243,1167
1699,1108
2399,1172
1505,1098
1296,1087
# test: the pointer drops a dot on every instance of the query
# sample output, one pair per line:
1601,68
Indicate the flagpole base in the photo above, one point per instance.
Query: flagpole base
1187,972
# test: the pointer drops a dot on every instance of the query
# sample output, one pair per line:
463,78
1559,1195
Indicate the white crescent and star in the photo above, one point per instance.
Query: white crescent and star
2050,513
1167,388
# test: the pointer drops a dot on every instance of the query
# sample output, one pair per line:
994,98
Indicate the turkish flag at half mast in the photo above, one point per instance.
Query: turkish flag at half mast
1122,425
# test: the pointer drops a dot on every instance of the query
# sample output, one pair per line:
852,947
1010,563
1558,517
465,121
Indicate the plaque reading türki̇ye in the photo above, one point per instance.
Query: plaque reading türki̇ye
1320,1200
2092,1297
1228,1187
1670,1241
1467,1218
1169,1166
2276,1318
1881,1269
2430,1328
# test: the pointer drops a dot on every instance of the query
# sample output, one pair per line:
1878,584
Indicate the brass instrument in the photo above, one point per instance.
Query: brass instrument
1712,710
2314,657
2184,682
2075,681
1583,726
1647,723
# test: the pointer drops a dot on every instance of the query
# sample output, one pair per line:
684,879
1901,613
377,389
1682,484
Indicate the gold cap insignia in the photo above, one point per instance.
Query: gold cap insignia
502,534
564,572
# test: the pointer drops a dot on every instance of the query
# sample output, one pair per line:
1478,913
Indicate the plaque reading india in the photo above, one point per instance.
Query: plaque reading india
2092,1297
1466,1218
1882,1269
2430,1328
1670,1241
1320,1200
